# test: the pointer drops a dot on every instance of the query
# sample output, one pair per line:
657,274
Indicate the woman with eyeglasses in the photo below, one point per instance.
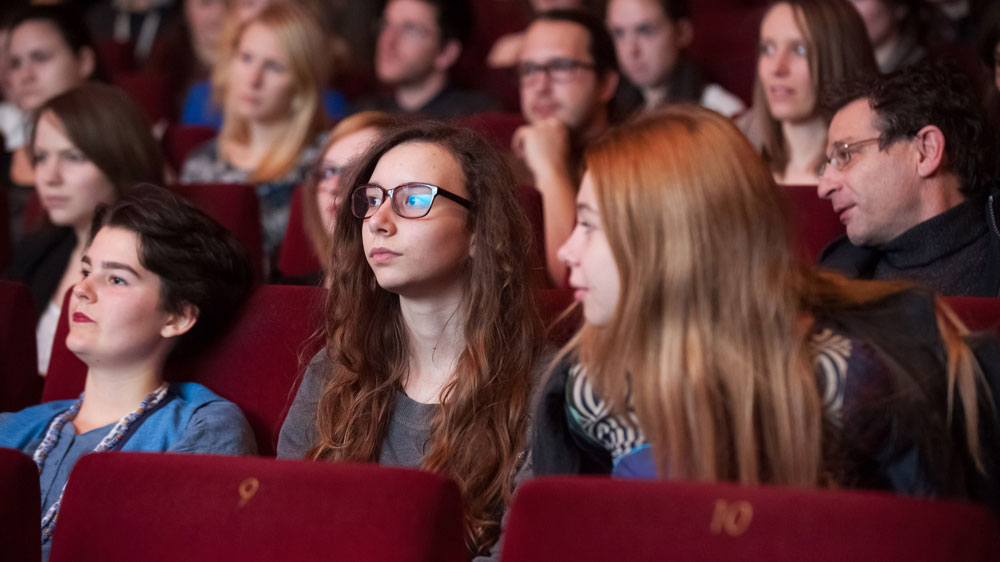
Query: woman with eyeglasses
432,335
710,353
322,194
805,47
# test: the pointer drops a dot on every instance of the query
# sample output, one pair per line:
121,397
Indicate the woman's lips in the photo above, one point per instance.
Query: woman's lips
382,255
81,318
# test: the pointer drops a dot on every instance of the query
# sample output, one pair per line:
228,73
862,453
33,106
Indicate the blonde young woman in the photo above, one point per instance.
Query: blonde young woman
709,353
269,82
805,46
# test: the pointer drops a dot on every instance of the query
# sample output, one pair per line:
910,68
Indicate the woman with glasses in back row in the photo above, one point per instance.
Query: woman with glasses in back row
432,335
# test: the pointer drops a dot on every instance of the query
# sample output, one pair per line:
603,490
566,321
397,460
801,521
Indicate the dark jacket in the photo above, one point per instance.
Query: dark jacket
40,260
956,253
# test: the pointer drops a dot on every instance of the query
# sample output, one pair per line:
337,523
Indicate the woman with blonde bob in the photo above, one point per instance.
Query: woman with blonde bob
432,335
805,46
268,82
710,353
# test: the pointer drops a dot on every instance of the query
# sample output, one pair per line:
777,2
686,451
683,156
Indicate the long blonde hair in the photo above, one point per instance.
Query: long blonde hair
305,44
711,314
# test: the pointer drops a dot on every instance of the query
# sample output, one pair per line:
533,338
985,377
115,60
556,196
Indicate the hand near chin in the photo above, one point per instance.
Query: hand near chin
544,147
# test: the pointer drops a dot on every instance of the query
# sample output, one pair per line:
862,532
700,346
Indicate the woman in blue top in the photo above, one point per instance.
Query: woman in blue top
157,277
710,353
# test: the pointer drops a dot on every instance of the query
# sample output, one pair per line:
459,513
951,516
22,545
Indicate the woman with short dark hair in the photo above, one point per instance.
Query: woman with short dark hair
156,276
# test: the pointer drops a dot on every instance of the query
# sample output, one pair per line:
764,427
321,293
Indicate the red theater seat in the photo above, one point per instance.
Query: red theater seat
150,91
159,507
590,519
978,313
297,257
179,140
725,45
257,364
20,511
20,385
496,126
234,206
553,305
813,219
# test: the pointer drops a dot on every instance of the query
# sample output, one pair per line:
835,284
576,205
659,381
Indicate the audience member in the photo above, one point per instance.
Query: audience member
201,106
805,46
142,293
136,23
88,146
651,38
48,52
432,335
708,353
419,41
323,196
186,55
505,50
568,74
269,84
901,31
910,173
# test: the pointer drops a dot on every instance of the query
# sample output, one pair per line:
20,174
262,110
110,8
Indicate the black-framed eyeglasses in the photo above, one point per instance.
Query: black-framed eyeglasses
558,70
323,173
842,152
410,200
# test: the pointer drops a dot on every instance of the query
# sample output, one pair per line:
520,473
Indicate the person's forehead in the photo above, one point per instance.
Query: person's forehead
550,39
854,121
411,10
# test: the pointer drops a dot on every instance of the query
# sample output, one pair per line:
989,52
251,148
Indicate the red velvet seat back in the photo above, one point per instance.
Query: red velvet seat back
590,519
257,364
179,140
812,219
978,313
20,385
234,206
20,508
496,126
5,242
297,257
150,91
158,507
552,305
725,45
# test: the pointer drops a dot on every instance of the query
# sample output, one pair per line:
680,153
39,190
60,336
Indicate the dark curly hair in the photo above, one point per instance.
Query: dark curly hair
929,93
198,262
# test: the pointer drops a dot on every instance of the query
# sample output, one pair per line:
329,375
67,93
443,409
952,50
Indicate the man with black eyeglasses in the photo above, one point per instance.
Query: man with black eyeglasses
568,74
418,43
910,170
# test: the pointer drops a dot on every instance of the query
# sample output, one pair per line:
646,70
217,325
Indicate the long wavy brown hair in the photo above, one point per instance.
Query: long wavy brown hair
478,432
712,315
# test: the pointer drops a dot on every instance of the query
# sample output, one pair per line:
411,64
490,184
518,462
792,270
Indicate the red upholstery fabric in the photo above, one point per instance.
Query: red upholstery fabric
150,91
531,202
553,304
257,364
157,507
725,45
297,257
813,220
234,206
978,313
20,385
590,519
496,126
117,56
20,506
179,140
